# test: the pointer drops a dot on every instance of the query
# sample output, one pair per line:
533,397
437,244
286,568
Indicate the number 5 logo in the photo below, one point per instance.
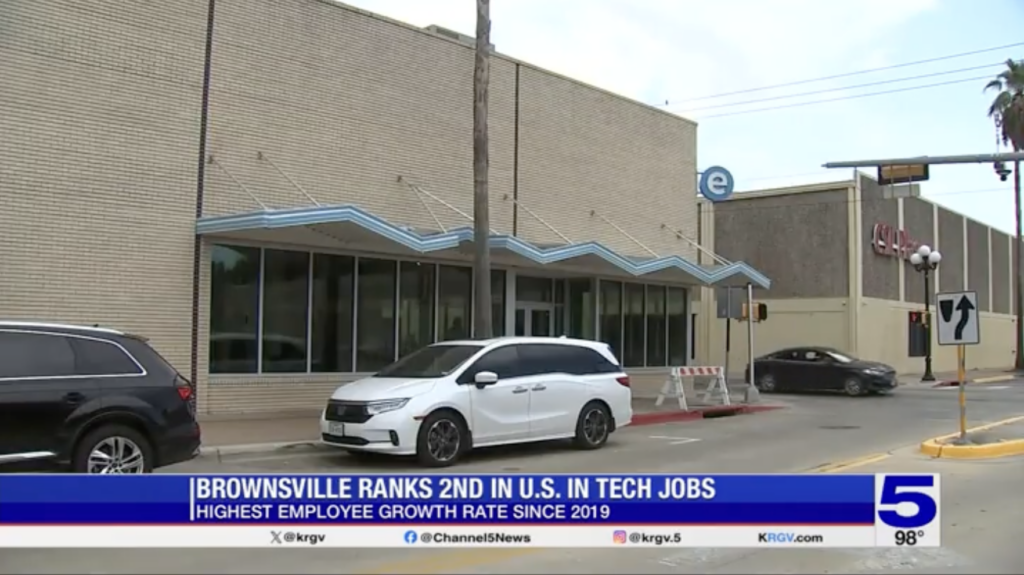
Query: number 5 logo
900,489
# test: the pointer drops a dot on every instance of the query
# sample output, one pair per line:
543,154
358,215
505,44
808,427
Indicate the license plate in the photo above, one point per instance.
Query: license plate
335,428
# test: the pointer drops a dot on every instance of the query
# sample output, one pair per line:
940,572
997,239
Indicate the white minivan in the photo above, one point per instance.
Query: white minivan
445,399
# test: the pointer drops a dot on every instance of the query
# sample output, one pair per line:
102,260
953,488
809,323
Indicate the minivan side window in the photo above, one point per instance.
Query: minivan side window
568,359
94,357
30,355
504,361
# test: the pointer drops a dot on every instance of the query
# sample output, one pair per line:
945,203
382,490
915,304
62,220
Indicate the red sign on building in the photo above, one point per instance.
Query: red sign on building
890,241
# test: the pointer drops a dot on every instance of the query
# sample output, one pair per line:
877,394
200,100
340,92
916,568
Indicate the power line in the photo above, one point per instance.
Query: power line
843,98
857,73
841,88
787,176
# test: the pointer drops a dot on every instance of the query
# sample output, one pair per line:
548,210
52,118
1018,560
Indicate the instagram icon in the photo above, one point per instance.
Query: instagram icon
619,537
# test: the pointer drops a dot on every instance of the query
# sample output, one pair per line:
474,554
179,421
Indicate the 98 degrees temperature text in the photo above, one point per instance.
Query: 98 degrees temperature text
907,537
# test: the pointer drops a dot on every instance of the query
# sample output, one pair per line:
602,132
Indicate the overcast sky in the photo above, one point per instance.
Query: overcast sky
679,51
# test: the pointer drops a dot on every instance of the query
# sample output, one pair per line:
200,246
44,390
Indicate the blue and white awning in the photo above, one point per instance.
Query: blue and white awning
734,273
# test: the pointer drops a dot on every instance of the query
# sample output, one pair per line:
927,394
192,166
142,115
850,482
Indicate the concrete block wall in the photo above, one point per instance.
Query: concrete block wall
99,128
100,115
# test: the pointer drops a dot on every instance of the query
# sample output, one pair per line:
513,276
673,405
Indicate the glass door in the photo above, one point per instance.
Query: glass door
540,322
534,319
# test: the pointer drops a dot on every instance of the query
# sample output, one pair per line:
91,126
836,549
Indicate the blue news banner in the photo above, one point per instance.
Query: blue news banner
896,502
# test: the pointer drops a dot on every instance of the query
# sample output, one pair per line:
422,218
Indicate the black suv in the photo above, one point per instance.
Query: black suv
91,400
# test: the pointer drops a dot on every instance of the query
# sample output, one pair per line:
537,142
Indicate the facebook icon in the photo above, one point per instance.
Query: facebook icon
410,537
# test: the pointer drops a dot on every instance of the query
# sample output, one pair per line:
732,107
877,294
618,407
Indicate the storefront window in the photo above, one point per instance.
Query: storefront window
234,309
333,287
560,307
454,302
657,327
498,302
581,308
285,310
308,320
375,333
678,346
611,316
416,309
534,289
634,328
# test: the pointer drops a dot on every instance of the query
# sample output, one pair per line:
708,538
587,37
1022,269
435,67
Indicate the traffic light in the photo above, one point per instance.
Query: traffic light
760,312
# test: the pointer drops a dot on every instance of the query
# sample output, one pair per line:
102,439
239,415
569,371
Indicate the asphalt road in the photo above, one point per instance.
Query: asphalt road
814,434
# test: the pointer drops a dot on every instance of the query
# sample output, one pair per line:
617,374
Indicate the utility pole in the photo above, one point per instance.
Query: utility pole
1018,295
481,166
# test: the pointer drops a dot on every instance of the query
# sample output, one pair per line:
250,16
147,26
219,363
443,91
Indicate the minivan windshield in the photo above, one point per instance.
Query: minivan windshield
431,361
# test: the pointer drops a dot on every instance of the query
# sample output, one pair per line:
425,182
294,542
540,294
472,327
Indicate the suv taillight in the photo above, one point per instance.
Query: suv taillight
623,381
183,387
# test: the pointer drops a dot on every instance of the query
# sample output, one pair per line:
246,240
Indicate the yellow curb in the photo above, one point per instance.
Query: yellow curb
993,379
936,446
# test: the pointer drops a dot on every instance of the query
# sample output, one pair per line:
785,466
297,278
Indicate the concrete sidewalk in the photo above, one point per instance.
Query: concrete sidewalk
946,378
254,434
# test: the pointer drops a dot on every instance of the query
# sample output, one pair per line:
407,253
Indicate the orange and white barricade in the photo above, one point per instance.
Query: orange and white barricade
674,386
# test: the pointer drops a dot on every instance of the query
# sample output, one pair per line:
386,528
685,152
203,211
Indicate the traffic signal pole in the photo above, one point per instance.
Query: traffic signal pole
1018,253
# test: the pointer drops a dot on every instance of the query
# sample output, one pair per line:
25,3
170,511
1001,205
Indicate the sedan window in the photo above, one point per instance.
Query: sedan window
841,358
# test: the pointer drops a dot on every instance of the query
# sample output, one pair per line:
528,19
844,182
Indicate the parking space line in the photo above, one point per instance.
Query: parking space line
676,440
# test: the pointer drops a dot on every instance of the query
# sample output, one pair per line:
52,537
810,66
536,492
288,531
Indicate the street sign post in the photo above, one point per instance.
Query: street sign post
958,318
959,325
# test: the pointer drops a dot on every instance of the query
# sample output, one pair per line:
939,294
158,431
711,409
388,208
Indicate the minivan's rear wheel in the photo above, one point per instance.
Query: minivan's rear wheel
442,439
113,449
593,426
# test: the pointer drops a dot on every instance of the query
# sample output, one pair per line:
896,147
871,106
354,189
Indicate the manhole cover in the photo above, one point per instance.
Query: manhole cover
840,427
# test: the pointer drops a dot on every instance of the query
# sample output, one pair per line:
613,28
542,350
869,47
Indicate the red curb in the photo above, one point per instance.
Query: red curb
656,417
948,383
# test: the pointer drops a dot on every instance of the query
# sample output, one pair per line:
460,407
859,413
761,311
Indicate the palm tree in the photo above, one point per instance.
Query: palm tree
1007,110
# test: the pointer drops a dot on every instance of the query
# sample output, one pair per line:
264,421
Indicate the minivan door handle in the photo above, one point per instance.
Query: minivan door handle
520,390
539,387
74,397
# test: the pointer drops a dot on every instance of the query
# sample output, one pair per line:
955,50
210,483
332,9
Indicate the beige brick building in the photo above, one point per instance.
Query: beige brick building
276,192
862,292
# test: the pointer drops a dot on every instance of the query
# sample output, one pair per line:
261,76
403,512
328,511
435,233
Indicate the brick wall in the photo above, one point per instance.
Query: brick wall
100,106
345,101
789,238
581,149
99,123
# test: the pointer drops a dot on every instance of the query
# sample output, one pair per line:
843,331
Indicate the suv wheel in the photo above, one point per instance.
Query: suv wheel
442,439
593,426
113,449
